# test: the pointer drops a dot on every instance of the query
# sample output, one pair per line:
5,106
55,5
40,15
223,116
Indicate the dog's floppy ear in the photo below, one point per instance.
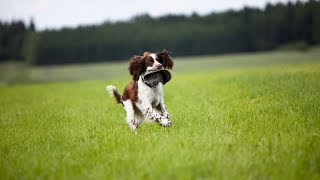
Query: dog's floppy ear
136,67
165,59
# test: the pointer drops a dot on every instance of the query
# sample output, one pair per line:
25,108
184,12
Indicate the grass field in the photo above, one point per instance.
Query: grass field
247,116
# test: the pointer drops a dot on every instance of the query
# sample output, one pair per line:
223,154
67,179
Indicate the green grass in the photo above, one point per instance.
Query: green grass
256,118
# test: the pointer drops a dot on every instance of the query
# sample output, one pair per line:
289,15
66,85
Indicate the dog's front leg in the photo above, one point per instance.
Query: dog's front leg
163,110
151,114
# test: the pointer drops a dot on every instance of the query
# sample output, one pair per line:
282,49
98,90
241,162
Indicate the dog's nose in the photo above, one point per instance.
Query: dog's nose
159,66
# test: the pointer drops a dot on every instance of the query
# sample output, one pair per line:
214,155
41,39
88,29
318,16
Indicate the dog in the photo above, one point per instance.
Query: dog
142,99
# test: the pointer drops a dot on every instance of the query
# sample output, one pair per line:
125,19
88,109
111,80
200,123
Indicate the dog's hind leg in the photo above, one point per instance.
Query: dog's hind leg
130,114
138,118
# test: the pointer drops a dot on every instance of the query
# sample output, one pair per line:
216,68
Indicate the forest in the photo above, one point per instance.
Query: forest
246,30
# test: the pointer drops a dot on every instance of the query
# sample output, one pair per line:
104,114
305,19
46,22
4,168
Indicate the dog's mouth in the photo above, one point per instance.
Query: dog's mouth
153,69
155,76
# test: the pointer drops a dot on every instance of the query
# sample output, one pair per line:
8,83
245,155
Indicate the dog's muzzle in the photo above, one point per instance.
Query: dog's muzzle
152,78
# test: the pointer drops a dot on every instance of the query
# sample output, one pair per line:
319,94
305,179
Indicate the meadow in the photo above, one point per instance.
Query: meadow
242,116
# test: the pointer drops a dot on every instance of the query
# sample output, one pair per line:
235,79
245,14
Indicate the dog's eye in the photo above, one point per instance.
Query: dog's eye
160,60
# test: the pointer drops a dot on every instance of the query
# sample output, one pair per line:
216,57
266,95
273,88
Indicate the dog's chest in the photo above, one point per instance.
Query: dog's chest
150,95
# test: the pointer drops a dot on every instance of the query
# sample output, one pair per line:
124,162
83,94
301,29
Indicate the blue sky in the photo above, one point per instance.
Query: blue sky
71,13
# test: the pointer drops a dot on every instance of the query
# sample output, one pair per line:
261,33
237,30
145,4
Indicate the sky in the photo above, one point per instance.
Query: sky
54,14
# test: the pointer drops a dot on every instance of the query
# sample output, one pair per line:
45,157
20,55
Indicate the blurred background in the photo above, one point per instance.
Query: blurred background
45,33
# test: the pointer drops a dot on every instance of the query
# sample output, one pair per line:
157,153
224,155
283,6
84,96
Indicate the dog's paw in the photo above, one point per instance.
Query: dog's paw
165,122
132,127
166,115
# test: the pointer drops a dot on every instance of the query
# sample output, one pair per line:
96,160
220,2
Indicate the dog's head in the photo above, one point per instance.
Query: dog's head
149,62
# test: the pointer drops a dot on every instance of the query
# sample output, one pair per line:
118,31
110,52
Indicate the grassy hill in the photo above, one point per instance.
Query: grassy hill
234,117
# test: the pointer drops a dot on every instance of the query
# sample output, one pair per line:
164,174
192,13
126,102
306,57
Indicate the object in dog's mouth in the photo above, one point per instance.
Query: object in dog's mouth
154,77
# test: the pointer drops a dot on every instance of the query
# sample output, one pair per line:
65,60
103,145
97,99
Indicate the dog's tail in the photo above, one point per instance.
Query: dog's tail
112,90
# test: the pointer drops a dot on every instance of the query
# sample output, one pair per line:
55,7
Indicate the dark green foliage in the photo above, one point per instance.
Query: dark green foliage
11,39
247,30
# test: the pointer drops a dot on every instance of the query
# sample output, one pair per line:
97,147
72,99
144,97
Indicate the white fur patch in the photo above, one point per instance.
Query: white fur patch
111,89
155,63
154,56
130,114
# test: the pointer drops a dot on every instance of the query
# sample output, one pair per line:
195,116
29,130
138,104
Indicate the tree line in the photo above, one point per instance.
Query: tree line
12,38
245,30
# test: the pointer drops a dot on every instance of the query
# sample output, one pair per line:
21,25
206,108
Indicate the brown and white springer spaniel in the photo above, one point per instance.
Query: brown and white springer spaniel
140,99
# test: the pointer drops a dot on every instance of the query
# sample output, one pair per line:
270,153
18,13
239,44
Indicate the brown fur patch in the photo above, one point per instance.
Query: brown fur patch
165,59
136,67
131,92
